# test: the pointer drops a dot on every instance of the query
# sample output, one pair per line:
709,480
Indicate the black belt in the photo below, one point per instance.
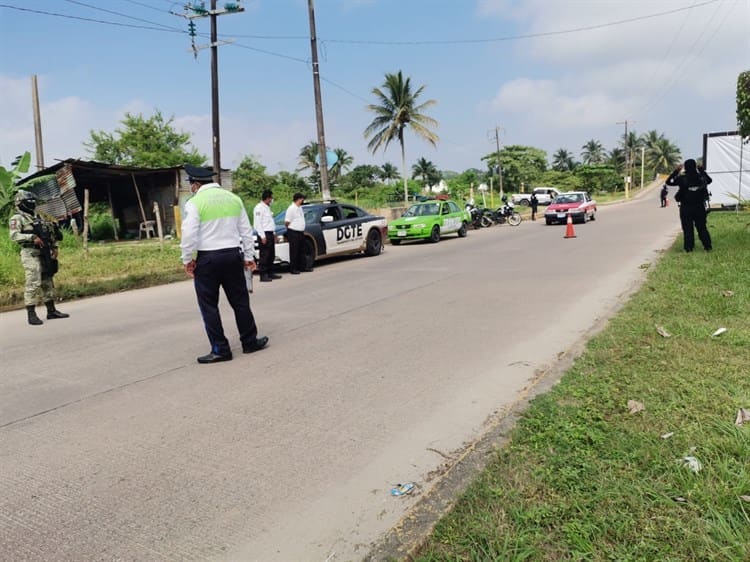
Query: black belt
222,251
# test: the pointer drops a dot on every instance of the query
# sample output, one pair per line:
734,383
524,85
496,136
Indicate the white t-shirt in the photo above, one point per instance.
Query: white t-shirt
295,217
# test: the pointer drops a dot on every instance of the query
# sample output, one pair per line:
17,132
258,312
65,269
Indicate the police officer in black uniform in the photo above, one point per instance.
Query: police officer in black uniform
692,196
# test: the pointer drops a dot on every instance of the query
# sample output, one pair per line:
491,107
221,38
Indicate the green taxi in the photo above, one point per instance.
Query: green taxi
429,219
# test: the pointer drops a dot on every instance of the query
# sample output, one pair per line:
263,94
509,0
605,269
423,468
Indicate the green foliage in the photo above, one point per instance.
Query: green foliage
100,222
583,479
148,142
599,177
250,179
427,171
361,177
8,179
743,104
520,165
564,181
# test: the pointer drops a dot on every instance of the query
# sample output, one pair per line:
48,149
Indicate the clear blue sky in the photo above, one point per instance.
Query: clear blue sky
550,73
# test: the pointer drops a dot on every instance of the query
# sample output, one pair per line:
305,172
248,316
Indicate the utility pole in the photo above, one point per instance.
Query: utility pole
627,157
37,124
199,11
499,168
322,153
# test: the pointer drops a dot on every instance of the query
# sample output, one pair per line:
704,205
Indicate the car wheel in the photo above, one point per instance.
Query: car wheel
395,241
308,254
585,218
435,234
593,215
524,202
462,231
514,219
374,243
549,222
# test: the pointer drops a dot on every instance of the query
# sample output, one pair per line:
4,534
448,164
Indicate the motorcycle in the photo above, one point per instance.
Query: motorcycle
507,213
480,217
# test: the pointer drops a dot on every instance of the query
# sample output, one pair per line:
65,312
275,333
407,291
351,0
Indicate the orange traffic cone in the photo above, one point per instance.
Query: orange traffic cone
569,230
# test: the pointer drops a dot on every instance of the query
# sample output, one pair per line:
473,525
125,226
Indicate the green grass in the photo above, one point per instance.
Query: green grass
582,479
107,268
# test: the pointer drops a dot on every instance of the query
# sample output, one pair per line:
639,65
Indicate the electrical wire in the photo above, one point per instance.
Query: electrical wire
120,14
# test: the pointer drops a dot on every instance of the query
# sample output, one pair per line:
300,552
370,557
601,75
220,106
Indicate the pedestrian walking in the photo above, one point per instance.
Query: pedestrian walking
265,227
38,239
534,202
663,195
217,246
295,231
692,196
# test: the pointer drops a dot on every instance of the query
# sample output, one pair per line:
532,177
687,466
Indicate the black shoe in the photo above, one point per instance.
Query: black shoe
56,314
258,344
274,276
214,358
307,270
295,272
265,279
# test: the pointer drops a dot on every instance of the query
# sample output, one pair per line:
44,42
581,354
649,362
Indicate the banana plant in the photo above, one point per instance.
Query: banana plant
8,179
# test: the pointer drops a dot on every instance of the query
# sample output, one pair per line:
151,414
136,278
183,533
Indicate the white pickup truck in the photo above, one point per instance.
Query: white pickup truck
545,195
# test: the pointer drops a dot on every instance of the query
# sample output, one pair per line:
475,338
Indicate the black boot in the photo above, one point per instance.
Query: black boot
34,320
52,312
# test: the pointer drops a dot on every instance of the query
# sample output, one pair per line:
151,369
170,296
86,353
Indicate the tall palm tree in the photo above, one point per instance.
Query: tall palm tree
616,159
563,161
663,156
307,160
592,152
426,170
397,107
388,173
344,160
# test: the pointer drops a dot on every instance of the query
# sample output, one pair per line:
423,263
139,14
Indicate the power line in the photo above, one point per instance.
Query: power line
149,6
119,14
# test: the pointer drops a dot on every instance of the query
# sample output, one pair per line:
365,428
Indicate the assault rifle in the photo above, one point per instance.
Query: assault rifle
49,233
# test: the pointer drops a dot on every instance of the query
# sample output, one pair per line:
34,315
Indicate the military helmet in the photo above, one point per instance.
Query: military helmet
26,201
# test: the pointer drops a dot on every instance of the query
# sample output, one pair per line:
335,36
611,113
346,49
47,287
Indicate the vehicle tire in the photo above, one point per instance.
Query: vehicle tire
549,222
435,234
514,219
374,243
308,254
524,202
585,218
395,241
486,221
462,231
593,216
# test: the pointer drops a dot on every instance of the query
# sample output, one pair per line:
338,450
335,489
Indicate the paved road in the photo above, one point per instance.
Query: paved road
115,444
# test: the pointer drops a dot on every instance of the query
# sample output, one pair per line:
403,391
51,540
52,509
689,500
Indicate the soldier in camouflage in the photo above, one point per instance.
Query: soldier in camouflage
38,240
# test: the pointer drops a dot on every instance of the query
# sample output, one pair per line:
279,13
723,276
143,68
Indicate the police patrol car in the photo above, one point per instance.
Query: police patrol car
332,229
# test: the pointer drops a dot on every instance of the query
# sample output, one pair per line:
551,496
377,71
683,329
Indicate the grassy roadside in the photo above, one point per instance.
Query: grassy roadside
584,479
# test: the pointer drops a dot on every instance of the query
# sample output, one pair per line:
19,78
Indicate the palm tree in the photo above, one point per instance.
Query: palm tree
344,160
396,109
563,161
616,159
425,170
663,156
592,152
388,173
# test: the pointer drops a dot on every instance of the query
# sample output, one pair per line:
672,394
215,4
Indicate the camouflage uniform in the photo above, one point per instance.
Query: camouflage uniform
38,278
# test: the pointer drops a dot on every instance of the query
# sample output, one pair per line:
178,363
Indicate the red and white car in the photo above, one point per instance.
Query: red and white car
578,204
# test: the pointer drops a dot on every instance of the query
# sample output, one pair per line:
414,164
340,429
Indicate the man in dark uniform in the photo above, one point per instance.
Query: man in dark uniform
534,202
217,230
692,196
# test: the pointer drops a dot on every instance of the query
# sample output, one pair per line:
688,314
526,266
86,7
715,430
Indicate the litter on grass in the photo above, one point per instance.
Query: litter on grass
745,498
667,435
634,406
727,293
743,415
692,463
403,489
718,332
662,332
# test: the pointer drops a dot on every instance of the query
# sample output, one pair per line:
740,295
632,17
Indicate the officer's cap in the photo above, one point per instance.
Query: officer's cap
198,174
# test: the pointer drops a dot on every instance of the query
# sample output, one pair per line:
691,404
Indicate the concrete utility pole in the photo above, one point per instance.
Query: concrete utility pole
322,153
499,167
37,123
200,12
627,157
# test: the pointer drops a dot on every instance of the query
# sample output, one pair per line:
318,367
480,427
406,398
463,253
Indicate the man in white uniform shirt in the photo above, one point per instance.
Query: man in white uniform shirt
217,245
295,233
266,229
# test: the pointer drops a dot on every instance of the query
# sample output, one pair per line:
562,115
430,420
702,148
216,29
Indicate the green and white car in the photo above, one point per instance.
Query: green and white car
429,219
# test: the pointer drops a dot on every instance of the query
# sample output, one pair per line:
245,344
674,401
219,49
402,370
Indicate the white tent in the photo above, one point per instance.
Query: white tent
727,160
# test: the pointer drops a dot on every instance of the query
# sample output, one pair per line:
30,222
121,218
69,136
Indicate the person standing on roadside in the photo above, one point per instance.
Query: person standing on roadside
295,233
692,196
217,246
38,239
663,195
534,202
266,230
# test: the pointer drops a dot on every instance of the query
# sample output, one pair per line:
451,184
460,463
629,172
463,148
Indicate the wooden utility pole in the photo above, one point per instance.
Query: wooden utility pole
201,12
37,123
499,168
322,156
627,157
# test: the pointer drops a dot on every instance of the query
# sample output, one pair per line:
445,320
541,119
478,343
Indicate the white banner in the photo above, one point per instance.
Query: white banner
728,164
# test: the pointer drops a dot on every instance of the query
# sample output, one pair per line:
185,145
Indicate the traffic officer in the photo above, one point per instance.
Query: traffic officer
294,220
217,245
38,239
692,196
266,229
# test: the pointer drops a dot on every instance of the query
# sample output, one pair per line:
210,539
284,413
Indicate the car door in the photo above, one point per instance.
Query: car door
343,230
451,217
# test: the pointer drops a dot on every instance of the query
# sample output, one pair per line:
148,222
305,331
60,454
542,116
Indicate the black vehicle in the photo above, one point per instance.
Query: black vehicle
508,214
333,229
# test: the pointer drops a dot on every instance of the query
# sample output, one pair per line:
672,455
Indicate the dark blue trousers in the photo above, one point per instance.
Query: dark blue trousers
694,215
225,269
